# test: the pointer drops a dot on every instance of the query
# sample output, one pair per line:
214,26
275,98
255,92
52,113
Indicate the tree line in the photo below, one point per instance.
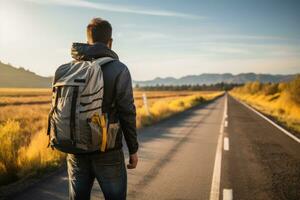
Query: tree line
197,87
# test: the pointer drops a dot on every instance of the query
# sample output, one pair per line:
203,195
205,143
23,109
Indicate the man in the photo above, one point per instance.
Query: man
107,167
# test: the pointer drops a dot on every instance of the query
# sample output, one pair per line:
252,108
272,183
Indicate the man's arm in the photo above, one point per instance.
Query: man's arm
127,114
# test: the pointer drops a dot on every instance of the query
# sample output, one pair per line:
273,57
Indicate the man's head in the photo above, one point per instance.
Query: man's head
99,30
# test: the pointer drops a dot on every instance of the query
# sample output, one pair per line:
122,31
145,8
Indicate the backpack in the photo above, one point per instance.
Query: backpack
76,123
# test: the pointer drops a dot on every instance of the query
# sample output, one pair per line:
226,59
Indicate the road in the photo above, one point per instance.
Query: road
221,150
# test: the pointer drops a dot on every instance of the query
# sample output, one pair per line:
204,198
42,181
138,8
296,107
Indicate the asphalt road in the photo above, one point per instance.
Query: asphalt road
187,157
262,161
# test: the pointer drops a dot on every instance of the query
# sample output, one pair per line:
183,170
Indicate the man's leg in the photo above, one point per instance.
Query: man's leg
81,177
110,171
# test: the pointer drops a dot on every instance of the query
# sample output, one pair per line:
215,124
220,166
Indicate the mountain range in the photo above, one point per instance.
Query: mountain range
216,78
19,77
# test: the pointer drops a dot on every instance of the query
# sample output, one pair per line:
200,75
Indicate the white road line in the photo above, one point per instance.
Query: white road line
224,115
227,194
215,184
226,144
226,123
270,121
216,179
222,127
226,107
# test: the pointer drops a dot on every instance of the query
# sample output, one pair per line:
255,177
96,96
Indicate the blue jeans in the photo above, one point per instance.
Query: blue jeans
109,170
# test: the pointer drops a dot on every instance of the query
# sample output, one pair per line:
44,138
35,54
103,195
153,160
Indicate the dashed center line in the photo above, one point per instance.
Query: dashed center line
226,144
225,123
227,194
216,178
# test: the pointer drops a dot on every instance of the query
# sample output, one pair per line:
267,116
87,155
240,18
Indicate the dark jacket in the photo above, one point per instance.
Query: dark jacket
117,88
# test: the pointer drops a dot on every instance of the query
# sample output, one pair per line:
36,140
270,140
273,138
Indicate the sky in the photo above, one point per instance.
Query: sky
157,38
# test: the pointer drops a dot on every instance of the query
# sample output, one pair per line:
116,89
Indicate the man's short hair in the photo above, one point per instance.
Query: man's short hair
99,30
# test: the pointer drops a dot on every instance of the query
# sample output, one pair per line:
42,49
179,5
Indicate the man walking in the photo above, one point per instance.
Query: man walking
107,167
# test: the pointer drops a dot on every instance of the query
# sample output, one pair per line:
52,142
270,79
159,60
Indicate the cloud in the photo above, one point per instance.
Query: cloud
117,8
142,36
249,37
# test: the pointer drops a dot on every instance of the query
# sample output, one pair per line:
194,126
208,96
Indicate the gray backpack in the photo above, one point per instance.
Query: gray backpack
76,123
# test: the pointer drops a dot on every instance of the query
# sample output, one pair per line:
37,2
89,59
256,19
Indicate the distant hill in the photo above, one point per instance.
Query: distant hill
21,78
215,78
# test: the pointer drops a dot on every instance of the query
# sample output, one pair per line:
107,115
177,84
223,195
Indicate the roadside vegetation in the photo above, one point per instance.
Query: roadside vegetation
23,122
195,87
281,101
166,107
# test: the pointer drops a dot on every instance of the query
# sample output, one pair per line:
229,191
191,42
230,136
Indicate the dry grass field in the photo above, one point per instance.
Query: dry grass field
23,122
279,101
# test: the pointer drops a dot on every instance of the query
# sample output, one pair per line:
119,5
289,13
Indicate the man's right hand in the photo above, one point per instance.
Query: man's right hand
133,160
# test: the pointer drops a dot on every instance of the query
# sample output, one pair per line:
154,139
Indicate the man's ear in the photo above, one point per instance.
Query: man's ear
89,41
109,44
88,38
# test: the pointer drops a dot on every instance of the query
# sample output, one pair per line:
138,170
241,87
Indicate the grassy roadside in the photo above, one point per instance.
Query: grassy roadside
280,102
23,152
165,108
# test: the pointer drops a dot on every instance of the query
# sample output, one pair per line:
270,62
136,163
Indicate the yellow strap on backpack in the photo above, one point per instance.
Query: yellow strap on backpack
100,120
104,133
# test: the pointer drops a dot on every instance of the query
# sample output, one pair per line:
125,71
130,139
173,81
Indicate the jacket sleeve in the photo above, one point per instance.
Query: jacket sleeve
126,109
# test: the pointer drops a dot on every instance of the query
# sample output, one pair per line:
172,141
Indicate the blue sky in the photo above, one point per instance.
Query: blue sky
158,38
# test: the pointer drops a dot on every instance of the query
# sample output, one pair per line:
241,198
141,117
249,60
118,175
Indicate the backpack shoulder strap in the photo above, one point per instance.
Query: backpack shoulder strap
100,62
103,60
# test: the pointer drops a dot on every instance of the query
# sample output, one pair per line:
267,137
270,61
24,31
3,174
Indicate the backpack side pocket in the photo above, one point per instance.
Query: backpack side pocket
113,129
96,135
